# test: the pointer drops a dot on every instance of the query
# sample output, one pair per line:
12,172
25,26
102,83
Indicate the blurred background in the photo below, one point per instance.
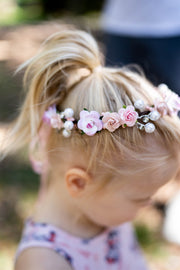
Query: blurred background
24,24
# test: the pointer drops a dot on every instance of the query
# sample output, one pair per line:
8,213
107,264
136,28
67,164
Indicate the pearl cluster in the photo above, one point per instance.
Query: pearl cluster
68,124
153,116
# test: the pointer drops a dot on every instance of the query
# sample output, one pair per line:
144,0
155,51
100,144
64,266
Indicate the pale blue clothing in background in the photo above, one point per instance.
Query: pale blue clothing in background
142,17
147,33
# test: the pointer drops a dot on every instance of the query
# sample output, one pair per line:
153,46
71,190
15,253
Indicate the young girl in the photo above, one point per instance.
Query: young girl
103,140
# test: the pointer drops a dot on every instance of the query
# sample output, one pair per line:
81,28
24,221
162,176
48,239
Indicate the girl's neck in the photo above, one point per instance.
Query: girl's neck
55,209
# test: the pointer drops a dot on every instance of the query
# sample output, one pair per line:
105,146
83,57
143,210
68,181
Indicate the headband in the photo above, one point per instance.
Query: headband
91,122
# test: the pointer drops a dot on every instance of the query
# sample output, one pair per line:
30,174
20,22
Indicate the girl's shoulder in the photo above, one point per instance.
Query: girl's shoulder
40,258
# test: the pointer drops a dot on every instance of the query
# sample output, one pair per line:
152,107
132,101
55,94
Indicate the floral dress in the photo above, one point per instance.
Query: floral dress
116,248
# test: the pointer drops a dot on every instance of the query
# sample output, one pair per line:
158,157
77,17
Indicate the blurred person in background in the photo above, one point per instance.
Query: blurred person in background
147,33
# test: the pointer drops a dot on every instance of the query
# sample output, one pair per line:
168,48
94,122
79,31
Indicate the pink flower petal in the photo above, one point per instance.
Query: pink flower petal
128,115
80,124
83,113
94,114
91,131
111,121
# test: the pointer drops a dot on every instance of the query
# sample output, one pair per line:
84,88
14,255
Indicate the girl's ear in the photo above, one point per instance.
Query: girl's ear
37,151
77,180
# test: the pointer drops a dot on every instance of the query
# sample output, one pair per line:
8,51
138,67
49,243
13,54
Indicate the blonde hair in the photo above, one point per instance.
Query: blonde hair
66,72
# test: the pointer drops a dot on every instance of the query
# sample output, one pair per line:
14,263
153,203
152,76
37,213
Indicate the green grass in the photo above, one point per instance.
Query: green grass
150,241
18,189
12,14
20,176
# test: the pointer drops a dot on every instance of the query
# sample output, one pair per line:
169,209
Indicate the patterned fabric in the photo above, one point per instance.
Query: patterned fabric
115,248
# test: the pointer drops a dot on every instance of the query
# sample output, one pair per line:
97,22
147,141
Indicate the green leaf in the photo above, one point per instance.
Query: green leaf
124,106
125,125
85,109
82,132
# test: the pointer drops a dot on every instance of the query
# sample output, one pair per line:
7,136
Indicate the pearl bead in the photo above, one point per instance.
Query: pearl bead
68,112
163,86
149,127
145,119
66,133
68,125
154,115
139,104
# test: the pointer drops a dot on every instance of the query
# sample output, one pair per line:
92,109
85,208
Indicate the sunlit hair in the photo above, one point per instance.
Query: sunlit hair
63,72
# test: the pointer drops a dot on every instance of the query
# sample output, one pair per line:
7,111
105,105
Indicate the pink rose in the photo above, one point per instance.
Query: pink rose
56,121
111,121
171,99
128,115
49,113
173,104
161,107
89,122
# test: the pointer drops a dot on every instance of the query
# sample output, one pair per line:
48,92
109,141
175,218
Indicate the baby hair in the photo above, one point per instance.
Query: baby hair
69,71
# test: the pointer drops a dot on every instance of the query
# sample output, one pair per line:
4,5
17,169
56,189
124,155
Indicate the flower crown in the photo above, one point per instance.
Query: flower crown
139,115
